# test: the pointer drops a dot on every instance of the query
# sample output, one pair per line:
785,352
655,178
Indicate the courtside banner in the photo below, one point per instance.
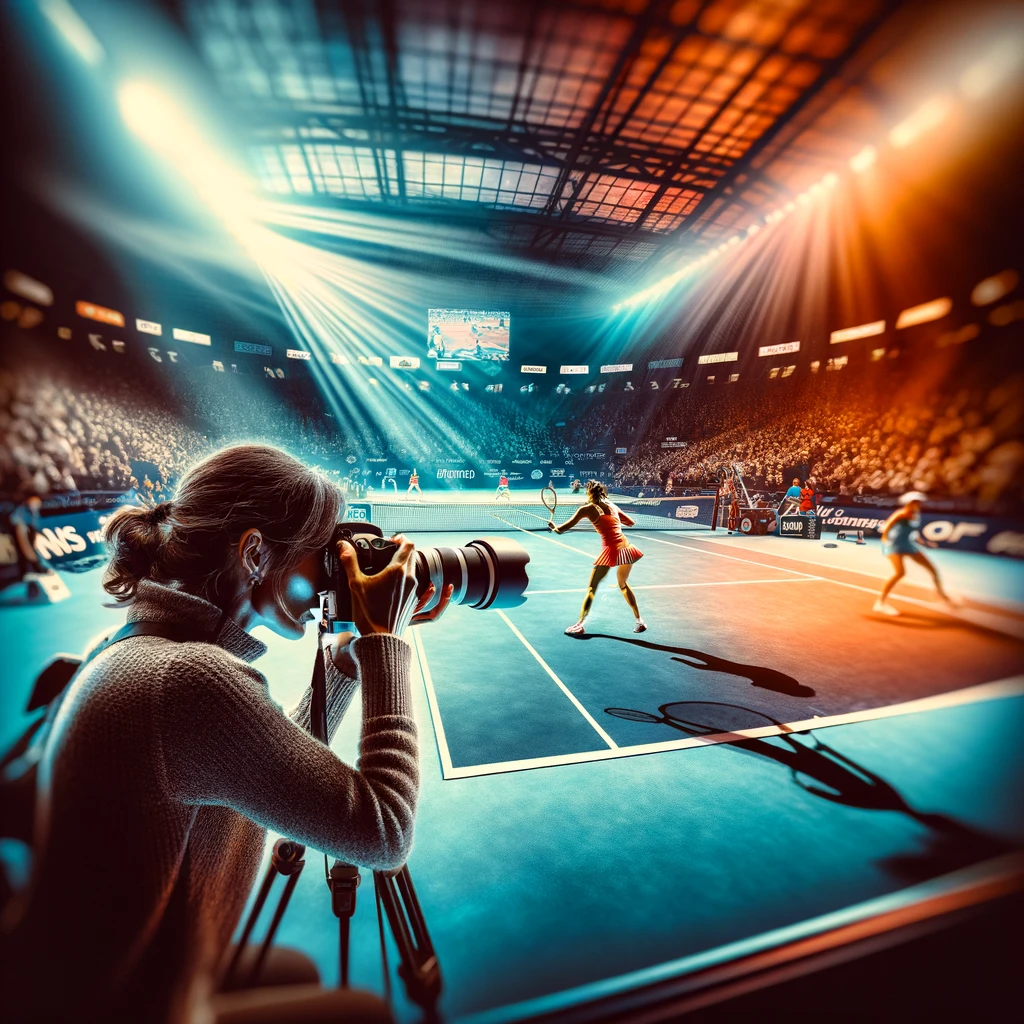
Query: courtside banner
149,327
449,365
569,370
616,367
719,357
699,510
404,362
299,353
947,529
664,364
533,369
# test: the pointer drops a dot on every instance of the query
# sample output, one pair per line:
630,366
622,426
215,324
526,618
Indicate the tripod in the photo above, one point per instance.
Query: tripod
393,890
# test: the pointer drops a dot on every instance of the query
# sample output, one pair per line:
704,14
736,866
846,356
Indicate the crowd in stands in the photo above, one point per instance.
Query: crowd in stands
848,434
85,432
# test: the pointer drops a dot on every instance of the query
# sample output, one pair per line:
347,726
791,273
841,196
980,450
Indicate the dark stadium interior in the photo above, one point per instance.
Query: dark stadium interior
699,248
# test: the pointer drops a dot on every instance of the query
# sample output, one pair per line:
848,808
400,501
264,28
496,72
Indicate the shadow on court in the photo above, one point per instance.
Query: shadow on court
824,772
759,675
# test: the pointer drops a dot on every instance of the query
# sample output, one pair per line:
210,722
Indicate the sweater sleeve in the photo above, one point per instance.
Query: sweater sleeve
340,691
225,742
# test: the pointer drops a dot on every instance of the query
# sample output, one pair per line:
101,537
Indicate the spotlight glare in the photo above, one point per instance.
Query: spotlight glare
864,159
68,22
830,180
155,119
789,207
922,120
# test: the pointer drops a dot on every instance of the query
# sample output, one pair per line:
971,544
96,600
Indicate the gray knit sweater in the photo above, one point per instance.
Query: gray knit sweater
164,767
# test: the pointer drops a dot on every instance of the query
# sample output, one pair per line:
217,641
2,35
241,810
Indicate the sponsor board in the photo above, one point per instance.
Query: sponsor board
359,512
91,311
450,365
149,327
620,451
778,350
966,533
456,474
536,475
718,357
808,527
674,444
370,360
299,353
569,369
687,511
253,348
404,362
616,367
339,360
528,368
664,364
557,473
180,334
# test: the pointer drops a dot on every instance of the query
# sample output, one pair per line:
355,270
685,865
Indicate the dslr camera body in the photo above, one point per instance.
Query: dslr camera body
489,572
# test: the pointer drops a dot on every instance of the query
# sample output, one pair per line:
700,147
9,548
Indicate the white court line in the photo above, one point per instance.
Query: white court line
985,620
565,689
674,586
1012,686
551,540
435,712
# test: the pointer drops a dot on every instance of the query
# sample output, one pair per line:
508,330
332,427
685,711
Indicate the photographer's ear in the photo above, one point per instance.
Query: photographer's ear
250,547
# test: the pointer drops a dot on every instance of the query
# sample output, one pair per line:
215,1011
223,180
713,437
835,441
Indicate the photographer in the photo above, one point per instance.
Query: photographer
167,760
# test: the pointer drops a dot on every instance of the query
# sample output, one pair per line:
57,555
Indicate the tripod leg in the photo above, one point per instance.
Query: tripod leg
243,942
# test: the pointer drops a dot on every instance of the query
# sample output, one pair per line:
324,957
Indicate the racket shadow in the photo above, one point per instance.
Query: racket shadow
759,675
824,772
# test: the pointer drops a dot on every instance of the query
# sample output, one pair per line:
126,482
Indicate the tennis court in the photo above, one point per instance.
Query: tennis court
756,644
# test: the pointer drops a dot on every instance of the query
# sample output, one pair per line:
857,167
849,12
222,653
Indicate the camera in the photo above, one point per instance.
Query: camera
489,572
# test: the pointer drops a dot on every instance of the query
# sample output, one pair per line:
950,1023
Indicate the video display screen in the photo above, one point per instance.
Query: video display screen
467,334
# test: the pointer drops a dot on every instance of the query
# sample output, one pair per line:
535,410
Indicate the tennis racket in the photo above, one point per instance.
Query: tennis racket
549,496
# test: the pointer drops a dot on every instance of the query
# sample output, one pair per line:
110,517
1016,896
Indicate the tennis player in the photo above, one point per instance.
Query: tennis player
608,519
503,491
414,483
898,543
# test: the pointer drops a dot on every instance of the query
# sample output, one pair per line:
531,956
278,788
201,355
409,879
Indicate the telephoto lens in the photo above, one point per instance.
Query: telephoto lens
488,572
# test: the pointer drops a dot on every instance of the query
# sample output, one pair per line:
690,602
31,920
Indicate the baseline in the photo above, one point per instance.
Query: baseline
999,689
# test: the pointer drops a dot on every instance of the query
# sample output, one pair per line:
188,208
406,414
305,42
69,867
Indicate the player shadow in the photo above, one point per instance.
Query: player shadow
824,772
760,676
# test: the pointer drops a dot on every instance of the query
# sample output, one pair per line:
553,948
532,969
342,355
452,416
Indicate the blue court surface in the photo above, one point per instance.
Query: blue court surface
768,759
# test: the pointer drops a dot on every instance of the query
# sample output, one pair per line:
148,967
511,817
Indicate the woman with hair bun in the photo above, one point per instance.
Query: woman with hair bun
608,519
167,760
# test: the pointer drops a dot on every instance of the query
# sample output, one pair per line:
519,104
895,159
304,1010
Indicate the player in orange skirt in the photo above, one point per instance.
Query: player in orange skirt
608,519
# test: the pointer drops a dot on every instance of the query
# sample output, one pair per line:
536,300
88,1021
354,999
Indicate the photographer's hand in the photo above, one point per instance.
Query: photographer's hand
385,602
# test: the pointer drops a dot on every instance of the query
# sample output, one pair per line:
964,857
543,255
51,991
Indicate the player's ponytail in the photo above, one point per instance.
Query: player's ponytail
598,494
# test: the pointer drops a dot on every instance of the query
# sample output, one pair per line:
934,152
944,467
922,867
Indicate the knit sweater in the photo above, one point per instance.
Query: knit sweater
164,766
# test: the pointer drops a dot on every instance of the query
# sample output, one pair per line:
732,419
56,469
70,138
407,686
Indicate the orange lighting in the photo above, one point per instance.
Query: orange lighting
853,333
864,159
925,313
1002,316
966,333
992,289
100,313
830,180
922,120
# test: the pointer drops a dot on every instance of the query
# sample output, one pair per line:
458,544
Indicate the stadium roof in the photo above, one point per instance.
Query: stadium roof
597,135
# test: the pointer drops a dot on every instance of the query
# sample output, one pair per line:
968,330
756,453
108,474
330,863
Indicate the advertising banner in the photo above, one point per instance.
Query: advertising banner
947,529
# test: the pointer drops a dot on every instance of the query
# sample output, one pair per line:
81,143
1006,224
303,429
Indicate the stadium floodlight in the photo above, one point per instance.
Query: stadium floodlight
928,116
999,63
70,24
862,160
